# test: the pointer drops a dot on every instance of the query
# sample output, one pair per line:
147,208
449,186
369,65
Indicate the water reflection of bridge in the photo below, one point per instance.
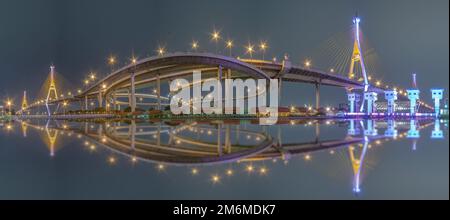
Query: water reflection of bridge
193,144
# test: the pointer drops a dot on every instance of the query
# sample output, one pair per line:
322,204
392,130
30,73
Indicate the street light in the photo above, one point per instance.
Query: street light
215,36
65,106
112,61
194,45
133,60
161,51
250,49
263,47
92,76
307,63
229,45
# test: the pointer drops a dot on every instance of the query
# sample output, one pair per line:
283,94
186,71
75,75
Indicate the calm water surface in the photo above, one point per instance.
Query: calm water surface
299,159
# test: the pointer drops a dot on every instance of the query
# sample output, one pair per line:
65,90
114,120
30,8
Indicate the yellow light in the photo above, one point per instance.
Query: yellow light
378,83
86,82
250,168
134,159
263,46
332,70
250,49
104,86
111,60
79,91
229,44
92,76
194,45
307,63
215,35
161,167
112,160
194,171
133,60
215,178
263,170
307,157
161,51
229,172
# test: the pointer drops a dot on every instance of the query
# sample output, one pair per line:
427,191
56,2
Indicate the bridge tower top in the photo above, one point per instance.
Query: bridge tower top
357,55
52,88
24,100
52,76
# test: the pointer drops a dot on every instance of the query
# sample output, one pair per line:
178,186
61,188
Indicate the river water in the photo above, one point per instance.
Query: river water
298,159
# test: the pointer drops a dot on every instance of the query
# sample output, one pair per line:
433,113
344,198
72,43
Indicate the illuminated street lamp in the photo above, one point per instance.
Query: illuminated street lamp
263,47
229,45
194,45
65,106
112,62
307,63
161,51
215,36
92,76
133,60
250,50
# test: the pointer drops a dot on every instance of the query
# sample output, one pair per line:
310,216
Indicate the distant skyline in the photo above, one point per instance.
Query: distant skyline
78,36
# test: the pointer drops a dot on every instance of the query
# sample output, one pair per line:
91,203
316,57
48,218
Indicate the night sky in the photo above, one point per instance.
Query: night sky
77,36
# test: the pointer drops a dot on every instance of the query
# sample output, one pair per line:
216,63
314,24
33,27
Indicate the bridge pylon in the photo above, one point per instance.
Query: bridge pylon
357,164
51,89
357,57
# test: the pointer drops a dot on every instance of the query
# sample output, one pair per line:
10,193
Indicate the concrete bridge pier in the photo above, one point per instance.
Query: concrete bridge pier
133,92
413,96
437,95
100,99
85,103
391,97
317,92
158,90
371,98
353,99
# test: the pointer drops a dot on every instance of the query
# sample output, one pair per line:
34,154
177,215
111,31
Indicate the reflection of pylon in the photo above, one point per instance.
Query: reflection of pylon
24,101
52,140
51,89
357,164
24,129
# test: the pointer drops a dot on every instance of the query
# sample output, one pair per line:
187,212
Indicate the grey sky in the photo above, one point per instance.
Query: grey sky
77,36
